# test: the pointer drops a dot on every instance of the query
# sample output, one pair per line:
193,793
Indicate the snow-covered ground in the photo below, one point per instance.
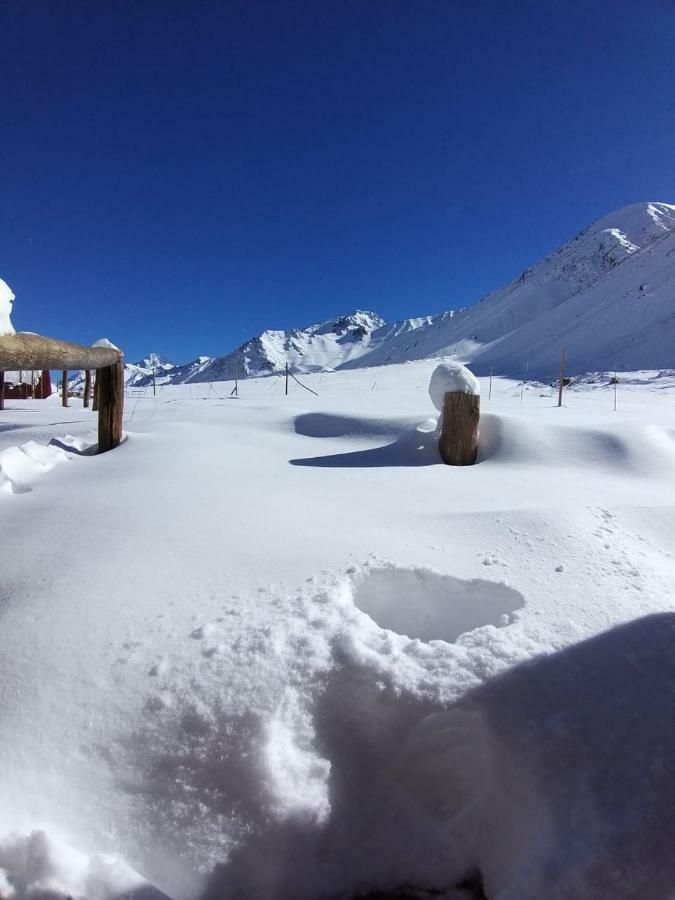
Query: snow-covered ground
270,647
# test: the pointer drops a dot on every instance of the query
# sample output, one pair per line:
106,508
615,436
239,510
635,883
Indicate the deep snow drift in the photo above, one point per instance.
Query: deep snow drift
270,647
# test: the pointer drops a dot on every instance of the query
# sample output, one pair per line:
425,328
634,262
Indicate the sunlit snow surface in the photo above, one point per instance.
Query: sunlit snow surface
270,647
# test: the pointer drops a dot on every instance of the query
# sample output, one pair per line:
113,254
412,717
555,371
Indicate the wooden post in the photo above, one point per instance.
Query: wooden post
286,379
64,388
94,404
2,390
87,387
45,384
32,384
458,443
562,376
111,406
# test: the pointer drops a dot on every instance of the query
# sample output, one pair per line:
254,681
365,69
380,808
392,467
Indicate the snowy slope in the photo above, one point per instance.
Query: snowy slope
316,661
607,296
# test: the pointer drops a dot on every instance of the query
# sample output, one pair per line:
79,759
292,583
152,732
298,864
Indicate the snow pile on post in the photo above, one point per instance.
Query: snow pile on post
451,378
105,343
455,393
6,298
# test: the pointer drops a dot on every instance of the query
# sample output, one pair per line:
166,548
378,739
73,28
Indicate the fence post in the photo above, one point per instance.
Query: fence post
2,390
87,387
110,382
458,443
94,404
64,388
562,376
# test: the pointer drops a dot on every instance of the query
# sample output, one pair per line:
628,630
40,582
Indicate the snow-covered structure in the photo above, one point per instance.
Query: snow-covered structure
6,300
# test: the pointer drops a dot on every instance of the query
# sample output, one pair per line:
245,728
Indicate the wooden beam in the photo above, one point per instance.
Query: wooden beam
25,350
111,406
64,388
458,443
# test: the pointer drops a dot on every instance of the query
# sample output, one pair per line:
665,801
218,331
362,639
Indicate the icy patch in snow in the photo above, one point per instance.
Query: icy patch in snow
451,378
423,604
36,865
6,298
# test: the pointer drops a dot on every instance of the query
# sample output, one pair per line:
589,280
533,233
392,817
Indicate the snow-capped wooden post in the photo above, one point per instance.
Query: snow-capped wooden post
455,393
87,387
111,406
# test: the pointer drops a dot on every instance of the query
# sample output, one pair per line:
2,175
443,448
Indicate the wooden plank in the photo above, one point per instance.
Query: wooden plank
111,406
25,350
458,443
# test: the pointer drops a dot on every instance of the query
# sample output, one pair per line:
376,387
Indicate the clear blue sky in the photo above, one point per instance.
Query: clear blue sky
178,176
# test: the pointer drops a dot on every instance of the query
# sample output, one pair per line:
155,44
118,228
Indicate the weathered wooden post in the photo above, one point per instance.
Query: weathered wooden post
455,393
64,388
87,387
2,390
111,406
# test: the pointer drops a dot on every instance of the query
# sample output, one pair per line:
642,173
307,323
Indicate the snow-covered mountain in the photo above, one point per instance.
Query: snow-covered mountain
607,296
320,347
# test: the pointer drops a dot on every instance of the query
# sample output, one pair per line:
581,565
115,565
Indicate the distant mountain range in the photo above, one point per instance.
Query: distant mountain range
607,296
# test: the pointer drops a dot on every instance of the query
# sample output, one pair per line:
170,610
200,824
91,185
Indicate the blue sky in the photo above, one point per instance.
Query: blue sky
178,176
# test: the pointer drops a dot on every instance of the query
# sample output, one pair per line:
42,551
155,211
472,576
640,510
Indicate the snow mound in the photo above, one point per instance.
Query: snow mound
35,865
105,343
21,466
533,794
6,298
451,378
420,603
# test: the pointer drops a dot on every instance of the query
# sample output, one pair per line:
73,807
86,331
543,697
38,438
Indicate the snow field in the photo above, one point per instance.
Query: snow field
314,661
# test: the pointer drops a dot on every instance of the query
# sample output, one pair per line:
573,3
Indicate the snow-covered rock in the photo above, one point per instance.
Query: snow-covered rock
6,299
451,378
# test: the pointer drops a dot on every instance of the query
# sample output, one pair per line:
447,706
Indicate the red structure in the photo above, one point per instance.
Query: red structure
26,391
